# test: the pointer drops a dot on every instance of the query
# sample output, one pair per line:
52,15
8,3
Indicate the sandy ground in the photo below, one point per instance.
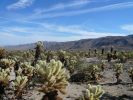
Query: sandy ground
113,92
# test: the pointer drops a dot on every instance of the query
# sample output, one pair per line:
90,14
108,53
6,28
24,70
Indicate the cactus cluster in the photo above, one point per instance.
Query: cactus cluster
4,81
4,76
19,84
27,69
93,93
53,75
7,63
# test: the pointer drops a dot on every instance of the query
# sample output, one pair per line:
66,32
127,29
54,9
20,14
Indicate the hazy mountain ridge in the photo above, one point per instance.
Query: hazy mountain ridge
119,42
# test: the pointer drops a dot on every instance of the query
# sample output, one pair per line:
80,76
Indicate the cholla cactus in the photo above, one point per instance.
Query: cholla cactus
2,53
28,70
130,72
94,72
39,48
7,63
118,68
4,76
70,63
61,55
19,84
4,80
102,65
93,93
53,75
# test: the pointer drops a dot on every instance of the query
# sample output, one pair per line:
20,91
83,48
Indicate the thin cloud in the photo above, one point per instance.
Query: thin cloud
82,11
61,6
20,4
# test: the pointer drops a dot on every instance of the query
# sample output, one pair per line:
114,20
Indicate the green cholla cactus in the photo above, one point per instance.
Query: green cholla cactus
70,63
4,81
27,69
94,72
93,93
7,63
118,68
19,84
53,75
4,76
130,72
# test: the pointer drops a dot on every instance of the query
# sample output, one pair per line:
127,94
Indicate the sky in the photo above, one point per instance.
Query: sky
29,21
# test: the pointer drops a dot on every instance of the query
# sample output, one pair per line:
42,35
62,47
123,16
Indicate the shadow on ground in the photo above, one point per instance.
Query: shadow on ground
110,97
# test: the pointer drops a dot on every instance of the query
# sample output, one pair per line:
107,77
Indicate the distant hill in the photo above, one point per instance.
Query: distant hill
119,42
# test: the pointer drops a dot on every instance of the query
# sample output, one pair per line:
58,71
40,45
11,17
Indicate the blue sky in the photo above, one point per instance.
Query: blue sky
27,21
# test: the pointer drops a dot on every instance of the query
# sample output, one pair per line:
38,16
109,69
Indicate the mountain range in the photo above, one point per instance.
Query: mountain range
118,42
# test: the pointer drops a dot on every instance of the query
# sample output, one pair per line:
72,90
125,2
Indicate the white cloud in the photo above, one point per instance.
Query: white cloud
20,4
42,14
47,32
62,6
128,27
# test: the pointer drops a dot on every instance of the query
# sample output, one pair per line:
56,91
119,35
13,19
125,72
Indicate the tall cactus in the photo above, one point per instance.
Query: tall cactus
38,49
93,93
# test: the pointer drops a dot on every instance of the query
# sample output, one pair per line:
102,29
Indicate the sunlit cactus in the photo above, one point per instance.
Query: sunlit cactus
4,76
7,63
4,80
130,72
118,68
54,76
19,84
70,63
93,93
27,69
94,72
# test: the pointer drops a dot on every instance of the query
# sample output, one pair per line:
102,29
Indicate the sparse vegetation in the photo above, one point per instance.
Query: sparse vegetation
51,72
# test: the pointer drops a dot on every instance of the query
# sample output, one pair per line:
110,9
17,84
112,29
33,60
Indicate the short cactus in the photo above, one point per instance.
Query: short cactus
7,63
4,80
93,93
53,75
118,68
19,84
27,69
94,72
